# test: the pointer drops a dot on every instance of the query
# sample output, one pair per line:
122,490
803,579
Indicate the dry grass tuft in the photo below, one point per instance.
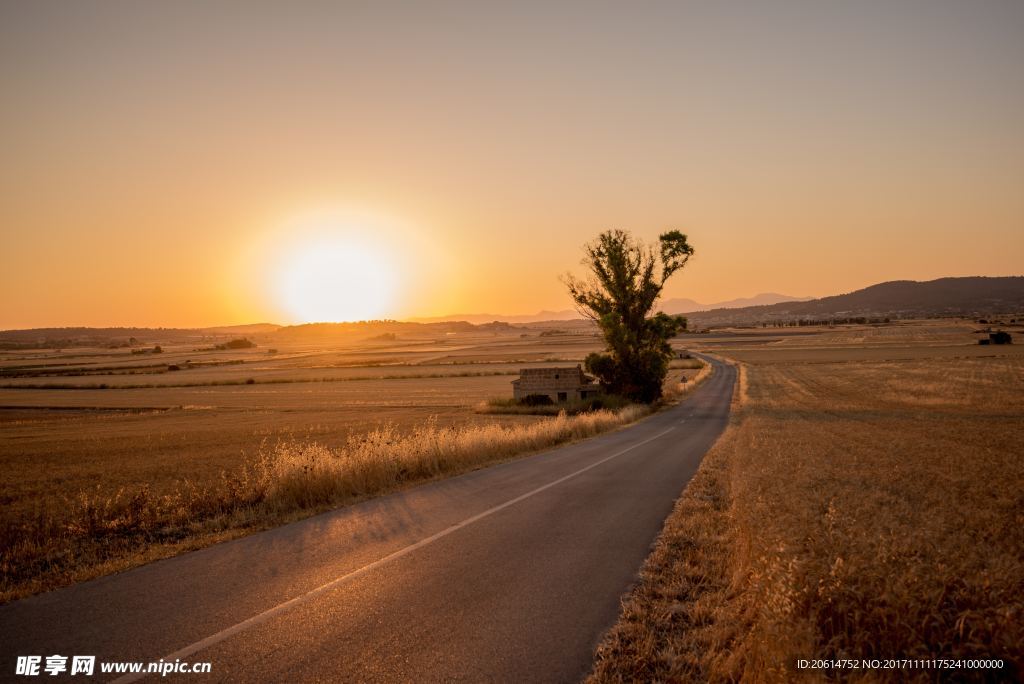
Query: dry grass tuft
307,475
852,510
509,406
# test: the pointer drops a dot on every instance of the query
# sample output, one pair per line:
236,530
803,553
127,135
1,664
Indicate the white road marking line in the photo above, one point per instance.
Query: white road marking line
303,598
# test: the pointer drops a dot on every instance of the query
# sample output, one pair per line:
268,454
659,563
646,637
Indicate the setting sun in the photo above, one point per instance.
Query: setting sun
334,280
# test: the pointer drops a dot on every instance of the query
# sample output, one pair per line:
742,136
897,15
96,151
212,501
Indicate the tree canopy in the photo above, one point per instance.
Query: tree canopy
625,281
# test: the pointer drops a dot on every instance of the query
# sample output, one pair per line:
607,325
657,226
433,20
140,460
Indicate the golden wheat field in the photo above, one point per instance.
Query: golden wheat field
110,460
867,501
196,422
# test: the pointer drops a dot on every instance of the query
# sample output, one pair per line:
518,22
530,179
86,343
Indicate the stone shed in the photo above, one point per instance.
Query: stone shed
560,384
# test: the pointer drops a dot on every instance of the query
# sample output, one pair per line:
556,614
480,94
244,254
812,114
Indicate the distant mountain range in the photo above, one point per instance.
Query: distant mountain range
975,297
683,306
970,296
672,306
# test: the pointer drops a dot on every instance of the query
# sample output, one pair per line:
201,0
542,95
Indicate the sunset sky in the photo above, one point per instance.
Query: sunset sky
200,163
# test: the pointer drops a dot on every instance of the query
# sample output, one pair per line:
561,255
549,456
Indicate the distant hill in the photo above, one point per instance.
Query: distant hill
80,336
976,297
682,306
32,338
479,319
377,328
247,329
672,306
970,296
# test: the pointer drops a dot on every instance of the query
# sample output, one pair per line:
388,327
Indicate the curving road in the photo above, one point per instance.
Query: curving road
510,573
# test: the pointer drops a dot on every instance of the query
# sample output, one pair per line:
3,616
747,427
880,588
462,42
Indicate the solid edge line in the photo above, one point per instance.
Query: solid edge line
303,598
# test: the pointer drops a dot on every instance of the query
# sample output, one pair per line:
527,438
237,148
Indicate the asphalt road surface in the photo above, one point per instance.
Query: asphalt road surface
507,574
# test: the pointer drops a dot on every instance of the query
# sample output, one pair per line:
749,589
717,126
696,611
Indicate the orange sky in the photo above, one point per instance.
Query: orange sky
161,160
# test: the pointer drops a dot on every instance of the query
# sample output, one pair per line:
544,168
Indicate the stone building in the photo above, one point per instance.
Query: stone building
560,384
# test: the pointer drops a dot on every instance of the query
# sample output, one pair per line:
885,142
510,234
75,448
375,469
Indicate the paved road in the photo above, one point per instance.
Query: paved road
511,573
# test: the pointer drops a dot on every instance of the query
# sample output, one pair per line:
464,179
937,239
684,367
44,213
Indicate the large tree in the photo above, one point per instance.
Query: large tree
625,280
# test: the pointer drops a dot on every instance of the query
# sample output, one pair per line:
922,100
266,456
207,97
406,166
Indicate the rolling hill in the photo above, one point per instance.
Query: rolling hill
672,306
682,306
970,296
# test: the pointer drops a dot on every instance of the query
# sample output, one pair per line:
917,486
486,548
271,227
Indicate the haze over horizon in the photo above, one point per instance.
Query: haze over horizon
875,299
362,161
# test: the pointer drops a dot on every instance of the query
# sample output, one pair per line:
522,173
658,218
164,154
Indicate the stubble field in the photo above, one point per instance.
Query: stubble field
198,422
865,502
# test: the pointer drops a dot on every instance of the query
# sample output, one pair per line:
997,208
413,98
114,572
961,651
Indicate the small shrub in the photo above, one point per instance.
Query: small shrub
536,400
240,343
574,407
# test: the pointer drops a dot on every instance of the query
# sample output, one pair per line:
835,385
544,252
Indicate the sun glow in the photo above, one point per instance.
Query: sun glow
335,279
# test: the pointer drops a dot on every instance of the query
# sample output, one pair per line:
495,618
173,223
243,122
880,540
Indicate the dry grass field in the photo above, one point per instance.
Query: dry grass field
110,459
58,442
867,501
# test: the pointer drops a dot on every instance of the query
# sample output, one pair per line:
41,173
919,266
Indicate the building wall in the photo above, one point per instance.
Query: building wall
570,393
561,384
